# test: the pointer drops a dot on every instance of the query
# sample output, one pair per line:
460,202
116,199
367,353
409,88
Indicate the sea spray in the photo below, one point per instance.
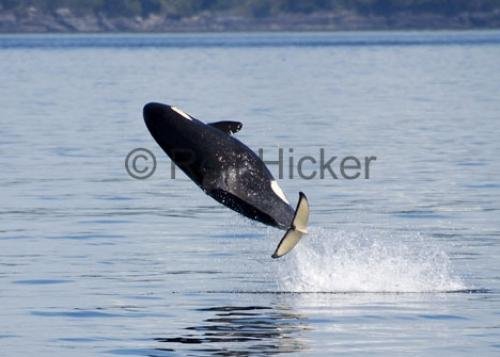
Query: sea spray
366,261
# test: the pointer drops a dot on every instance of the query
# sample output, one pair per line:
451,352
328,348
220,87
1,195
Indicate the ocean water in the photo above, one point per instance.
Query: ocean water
95,262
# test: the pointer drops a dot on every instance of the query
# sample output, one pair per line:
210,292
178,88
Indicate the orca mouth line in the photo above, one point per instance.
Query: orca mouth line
269,292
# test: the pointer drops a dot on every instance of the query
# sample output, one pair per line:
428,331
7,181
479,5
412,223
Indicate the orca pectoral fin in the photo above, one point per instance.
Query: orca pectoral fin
298,229
229,127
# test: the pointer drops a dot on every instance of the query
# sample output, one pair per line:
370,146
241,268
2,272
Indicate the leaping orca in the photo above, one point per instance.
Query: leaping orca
227,170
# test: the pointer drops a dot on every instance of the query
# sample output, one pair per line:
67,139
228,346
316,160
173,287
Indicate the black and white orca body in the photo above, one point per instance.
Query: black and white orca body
226,169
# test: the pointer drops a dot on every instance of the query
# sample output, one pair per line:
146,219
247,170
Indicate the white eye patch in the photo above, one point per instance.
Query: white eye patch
177,110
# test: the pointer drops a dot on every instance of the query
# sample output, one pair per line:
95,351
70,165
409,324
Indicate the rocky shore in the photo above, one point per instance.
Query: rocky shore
64,20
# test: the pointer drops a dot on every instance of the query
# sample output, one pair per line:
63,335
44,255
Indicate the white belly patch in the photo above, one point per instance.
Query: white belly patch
278,191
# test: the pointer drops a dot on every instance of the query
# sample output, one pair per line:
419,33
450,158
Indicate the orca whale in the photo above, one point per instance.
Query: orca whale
227,170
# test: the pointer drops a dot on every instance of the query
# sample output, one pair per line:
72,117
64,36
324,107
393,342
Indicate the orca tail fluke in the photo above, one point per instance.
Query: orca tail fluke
297,230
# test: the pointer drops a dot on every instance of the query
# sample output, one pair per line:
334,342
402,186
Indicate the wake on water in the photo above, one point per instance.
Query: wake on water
367,261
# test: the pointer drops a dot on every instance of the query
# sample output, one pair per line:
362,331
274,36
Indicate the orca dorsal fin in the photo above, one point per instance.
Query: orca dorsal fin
229,127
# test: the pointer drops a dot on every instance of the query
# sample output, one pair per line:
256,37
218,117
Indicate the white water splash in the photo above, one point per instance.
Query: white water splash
339,261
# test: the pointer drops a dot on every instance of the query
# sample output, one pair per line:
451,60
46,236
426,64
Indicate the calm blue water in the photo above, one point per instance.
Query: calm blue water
94,262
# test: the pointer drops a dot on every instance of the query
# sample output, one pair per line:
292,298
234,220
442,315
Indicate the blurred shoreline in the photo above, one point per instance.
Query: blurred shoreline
65,21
